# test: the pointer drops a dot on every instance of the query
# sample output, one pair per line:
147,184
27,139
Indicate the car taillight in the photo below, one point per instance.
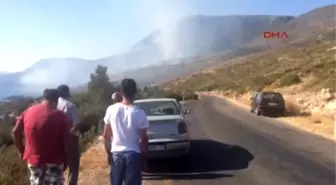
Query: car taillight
182,128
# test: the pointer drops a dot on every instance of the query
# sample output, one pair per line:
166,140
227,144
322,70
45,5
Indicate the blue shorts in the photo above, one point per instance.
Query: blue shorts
126,167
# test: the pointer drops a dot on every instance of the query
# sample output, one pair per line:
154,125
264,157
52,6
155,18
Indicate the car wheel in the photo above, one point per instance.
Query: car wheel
283,113
258,112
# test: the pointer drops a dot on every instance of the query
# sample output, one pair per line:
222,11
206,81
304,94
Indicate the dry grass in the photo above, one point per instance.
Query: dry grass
13,170
94,168
315,124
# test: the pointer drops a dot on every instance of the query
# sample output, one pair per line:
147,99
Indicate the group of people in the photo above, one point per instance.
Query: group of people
45,136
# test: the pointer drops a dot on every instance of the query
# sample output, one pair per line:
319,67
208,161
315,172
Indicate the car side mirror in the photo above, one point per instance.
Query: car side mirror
186,111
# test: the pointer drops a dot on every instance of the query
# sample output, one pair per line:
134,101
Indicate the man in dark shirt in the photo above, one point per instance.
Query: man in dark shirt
69,108
46,131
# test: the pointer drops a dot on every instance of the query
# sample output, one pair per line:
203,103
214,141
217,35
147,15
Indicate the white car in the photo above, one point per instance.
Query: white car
168,133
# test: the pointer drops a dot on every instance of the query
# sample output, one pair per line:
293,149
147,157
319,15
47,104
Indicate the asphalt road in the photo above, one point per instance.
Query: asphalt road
234,147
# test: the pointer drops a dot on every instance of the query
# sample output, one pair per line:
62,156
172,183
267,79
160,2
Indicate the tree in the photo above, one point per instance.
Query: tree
100,88
145,89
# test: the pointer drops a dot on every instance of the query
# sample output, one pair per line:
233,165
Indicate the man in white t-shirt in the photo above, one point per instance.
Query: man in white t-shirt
126,126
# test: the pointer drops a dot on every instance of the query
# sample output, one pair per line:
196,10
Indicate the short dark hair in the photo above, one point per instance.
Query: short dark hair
51,95
128,88
64,91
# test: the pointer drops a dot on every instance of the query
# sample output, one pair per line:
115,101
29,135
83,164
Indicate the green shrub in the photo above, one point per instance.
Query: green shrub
190,96
179,96
289,79
174,95
5,133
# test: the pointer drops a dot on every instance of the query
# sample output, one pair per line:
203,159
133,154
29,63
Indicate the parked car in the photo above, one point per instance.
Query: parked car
268,103
168,133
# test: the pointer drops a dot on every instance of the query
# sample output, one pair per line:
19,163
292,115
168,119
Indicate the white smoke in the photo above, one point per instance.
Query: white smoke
154,15
50,75
44,77
163,15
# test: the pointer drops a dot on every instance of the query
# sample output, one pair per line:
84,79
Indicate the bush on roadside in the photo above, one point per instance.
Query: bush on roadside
289,79
179,96
5,133
174,95
190,96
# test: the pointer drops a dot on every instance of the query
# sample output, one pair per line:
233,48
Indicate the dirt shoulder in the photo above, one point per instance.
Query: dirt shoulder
94,168
93,165
319,125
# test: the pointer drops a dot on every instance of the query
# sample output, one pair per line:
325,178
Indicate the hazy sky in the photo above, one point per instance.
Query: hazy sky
35,29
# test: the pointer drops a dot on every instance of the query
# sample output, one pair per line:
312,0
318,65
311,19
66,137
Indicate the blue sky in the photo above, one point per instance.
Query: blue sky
35,29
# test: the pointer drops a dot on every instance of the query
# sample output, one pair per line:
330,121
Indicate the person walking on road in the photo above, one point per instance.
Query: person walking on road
116,98
65,105
46,132
126,127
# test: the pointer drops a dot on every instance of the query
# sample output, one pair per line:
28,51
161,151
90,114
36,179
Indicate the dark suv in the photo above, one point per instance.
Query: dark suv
268,103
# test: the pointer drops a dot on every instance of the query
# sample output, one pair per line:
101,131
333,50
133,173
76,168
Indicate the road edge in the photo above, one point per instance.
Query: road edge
245,108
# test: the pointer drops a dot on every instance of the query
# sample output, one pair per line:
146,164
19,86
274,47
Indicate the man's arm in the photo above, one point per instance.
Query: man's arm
107,134
72,112
107,137
18,134
144,140
66,129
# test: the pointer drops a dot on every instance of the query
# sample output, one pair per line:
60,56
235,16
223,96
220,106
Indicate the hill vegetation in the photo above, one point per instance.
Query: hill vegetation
294,63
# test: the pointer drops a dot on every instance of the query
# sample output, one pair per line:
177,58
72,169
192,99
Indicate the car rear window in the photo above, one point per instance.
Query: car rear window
159,108
272,96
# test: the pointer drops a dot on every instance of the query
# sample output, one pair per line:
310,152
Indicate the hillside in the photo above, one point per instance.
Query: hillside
192,36
299,69
306,53
307,58
305,25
